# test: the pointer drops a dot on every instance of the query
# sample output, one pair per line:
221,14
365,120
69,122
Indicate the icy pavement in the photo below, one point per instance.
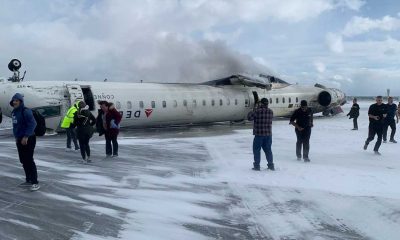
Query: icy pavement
196,183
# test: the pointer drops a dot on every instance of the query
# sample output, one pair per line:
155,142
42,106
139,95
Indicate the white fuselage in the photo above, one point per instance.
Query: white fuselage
156,104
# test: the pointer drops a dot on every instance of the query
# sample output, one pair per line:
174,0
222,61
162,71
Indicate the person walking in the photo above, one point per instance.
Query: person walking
302,120
85,121
354,113
262,131
389,120
376,113
24,125
69,126
110,119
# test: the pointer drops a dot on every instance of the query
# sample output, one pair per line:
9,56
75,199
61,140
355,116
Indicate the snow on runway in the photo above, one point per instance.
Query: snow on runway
196,183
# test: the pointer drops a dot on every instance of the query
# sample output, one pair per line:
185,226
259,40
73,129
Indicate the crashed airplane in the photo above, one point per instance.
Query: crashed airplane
163,104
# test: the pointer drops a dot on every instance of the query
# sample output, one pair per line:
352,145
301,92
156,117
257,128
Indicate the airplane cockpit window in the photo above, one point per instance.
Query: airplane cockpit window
129,105
175,103
49,111
141,104
153,104
220,102
118,105
164,104
184,103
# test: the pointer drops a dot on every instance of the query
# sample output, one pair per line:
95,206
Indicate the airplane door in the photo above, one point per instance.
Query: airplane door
75,93
256,99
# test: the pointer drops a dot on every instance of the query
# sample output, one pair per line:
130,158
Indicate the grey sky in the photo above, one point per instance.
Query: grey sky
350,44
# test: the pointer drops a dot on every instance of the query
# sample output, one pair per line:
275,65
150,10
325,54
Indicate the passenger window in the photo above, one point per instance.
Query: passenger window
283,100
175,103
129,105
194,103
212,102
228,102
297,99
236,102
270,100
290,100
141,104
277,100
204,102
153,104
246,101
184,103
220,102
164,104
118,105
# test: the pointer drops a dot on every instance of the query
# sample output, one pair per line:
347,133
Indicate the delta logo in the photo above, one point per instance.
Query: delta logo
148,112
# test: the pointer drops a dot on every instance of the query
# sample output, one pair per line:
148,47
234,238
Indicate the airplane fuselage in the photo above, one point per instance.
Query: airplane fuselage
160,104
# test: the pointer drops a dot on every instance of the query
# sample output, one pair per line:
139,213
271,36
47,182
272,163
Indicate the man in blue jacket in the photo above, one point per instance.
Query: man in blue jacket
23,128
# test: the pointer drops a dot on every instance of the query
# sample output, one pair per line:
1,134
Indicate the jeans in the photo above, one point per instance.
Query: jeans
372,130
111,149
303,140
265,143
386,125
71,136
25,153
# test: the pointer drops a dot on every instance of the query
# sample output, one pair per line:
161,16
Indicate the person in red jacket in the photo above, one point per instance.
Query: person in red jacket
110,119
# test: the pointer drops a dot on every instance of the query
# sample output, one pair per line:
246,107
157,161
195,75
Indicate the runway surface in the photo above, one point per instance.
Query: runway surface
196,183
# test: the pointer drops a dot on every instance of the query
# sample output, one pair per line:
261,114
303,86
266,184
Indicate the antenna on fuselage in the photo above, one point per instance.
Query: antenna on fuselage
14,67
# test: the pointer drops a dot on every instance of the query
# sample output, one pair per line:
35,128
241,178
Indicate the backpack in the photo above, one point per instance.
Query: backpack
40,128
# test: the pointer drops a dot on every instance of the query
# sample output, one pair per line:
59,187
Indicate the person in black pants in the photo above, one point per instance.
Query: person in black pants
354,113
302,120
377,113
84,121
389,120
24,125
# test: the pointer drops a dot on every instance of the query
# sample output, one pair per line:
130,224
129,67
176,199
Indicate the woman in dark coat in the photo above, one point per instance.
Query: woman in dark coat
110,119
84,121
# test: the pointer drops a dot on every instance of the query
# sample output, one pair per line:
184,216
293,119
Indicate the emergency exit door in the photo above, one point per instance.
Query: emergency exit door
75,93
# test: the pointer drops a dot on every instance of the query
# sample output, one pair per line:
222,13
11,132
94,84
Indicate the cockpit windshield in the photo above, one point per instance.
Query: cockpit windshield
49,111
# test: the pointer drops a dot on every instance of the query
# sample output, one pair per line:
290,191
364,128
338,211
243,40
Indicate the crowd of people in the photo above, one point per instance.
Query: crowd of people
79,124
381,117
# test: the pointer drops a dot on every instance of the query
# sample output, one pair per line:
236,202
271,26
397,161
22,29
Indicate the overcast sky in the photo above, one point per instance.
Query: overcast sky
350,44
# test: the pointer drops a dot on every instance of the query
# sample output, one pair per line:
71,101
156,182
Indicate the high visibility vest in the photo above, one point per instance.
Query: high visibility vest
69,117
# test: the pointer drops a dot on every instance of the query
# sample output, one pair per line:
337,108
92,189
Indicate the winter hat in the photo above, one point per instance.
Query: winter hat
303,103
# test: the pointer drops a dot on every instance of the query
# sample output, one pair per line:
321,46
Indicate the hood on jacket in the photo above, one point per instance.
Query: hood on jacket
77,104
17,96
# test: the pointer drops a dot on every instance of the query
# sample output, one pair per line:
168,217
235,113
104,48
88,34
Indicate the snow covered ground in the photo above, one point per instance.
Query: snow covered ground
196,183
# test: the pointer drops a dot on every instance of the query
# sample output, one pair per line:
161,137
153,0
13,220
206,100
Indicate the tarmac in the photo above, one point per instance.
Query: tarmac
91,201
